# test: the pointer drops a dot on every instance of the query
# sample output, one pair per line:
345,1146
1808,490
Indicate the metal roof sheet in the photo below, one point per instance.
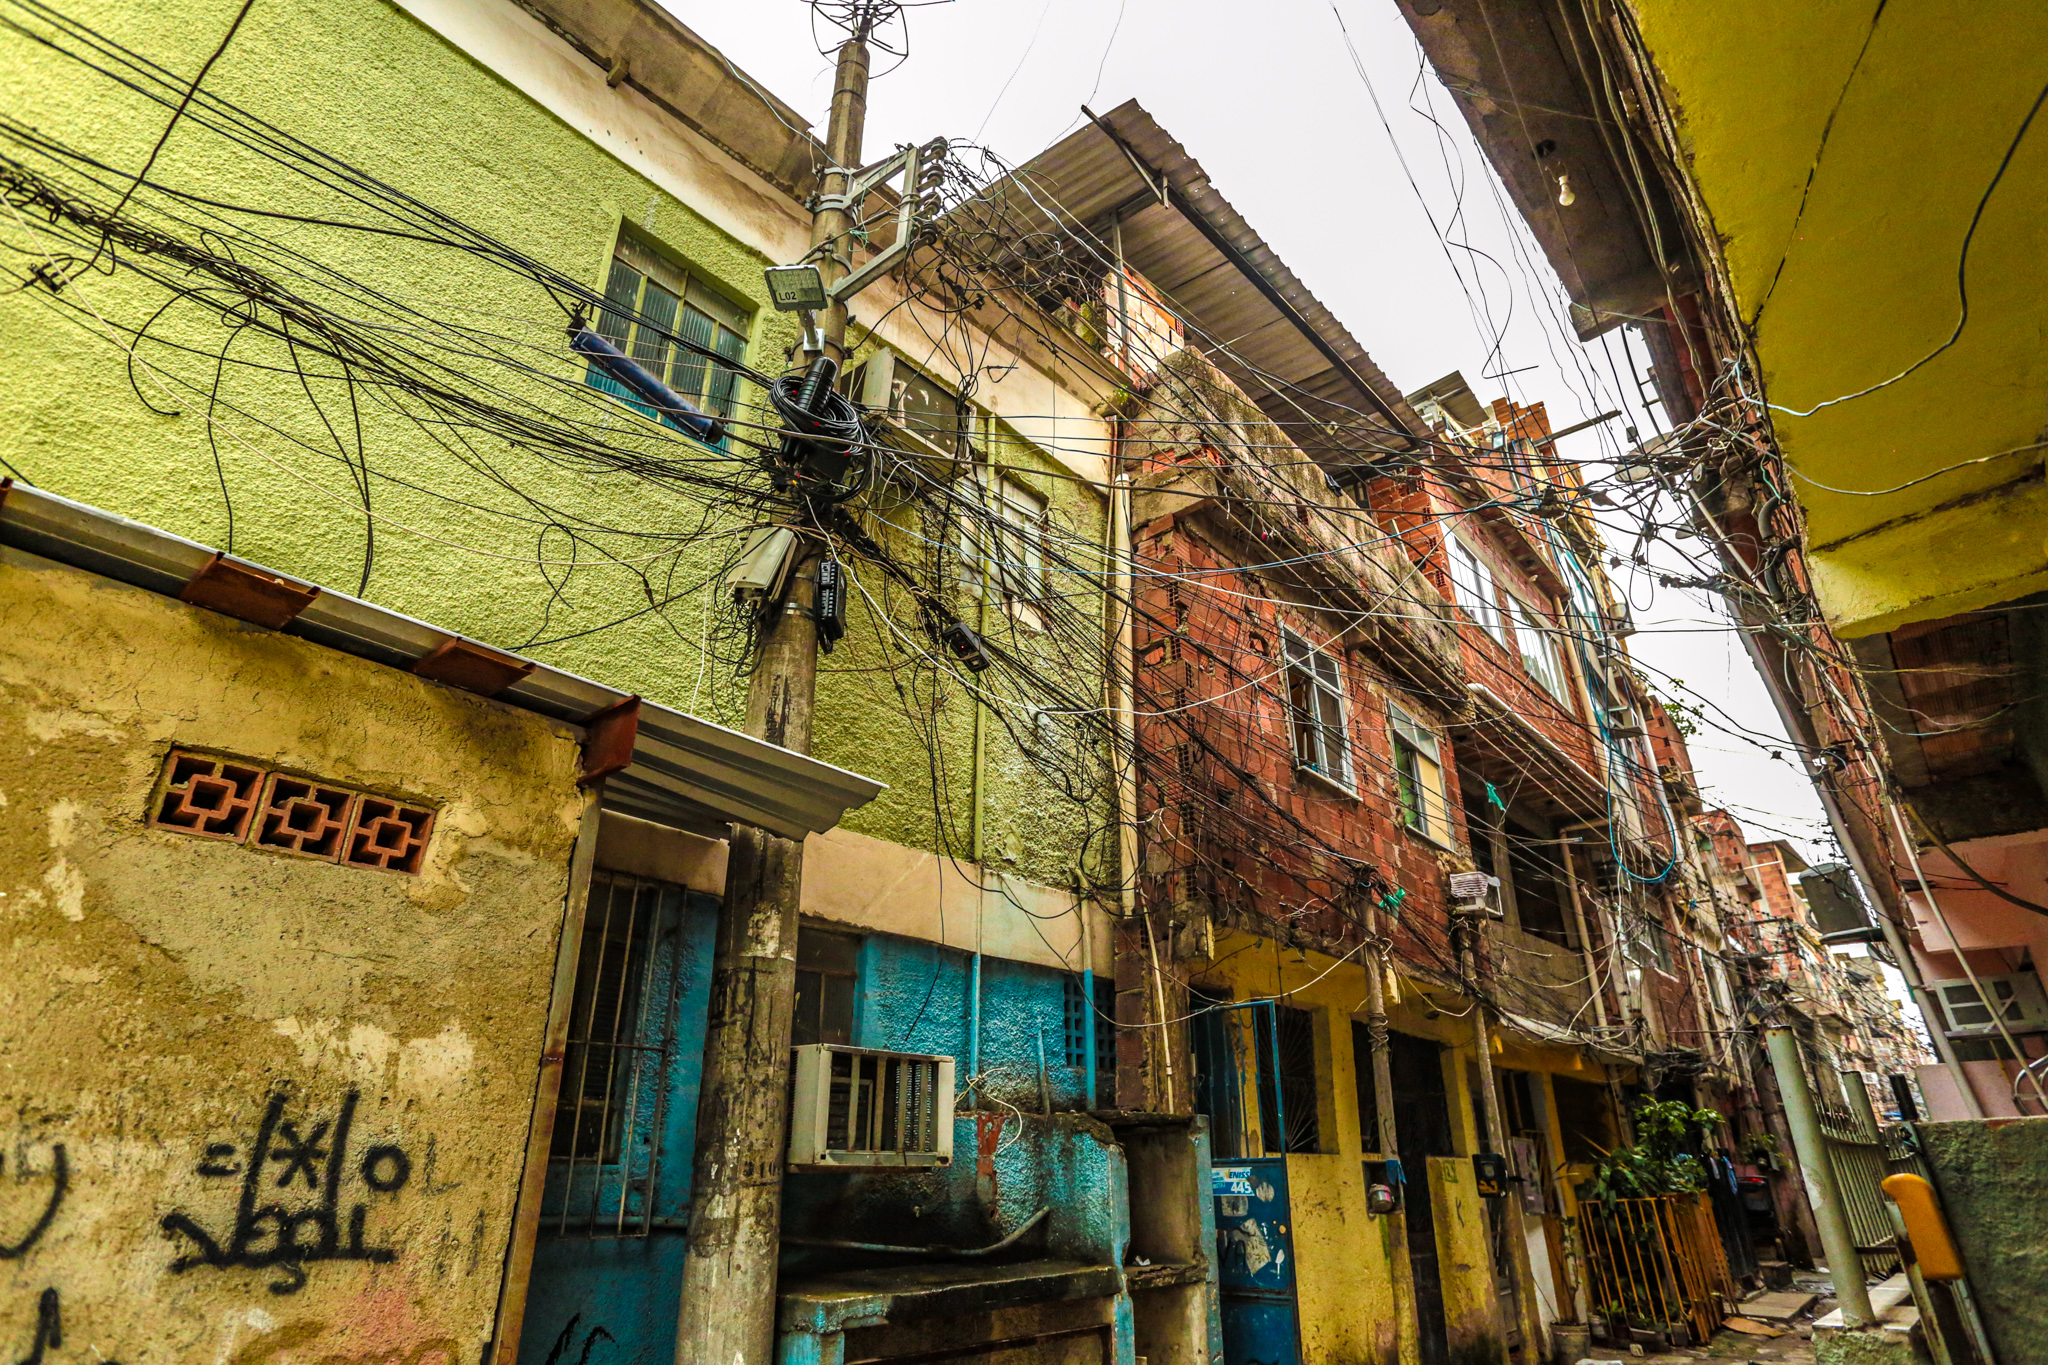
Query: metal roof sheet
1242,304
685,772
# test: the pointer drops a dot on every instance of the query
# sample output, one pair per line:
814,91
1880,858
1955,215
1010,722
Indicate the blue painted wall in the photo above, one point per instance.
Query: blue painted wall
1009,1160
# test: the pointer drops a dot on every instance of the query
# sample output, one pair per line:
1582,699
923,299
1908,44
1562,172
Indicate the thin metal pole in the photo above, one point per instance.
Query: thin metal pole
1845,1267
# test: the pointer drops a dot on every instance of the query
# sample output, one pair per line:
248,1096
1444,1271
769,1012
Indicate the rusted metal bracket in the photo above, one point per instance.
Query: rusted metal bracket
247,593
472,667
608,740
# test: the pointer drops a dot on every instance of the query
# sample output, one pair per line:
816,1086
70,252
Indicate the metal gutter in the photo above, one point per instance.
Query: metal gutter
680,770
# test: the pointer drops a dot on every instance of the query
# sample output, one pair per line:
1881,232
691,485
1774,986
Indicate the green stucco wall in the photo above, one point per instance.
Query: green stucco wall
455,543
1993,1179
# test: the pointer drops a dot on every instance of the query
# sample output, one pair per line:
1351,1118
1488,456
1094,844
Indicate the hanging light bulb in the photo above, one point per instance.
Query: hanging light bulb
1564,191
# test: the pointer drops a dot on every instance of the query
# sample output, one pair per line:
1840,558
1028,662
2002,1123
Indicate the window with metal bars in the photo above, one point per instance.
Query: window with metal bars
618,1066
1293,1056
652,305
1100,1016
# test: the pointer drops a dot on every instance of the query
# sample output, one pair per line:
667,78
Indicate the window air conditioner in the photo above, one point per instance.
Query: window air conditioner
859,1107
2017,1000
1478,891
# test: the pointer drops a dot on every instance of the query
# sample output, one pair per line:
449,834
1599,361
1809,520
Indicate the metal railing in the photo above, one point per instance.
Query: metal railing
1656,1265
605,1164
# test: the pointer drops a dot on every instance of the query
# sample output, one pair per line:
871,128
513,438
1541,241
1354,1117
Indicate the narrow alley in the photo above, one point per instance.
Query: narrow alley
878,682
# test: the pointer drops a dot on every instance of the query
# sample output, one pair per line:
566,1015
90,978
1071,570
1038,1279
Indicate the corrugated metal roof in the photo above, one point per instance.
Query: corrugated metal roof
1284,348
685,772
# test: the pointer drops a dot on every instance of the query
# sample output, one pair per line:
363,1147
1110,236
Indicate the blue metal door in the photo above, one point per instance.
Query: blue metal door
1255,1255
608,1268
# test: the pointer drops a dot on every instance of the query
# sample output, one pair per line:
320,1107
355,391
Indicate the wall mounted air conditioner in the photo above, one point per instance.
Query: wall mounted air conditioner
909,411
859,1107
2018,1000
1476,890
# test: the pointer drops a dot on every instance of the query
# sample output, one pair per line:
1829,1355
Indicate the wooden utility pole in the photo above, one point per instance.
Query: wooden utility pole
728,1310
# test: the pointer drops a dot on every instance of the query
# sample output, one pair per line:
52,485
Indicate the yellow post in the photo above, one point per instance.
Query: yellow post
1933,1247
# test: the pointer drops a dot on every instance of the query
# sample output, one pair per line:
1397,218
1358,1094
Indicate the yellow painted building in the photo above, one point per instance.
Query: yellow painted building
1362,1287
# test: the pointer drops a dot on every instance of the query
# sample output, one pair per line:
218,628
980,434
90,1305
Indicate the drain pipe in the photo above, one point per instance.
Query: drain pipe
976,853
1845,1267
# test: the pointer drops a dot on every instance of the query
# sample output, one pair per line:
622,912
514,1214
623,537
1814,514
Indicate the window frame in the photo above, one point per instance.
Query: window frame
1547,665
1011,571
1323,675
1413,742
815,933
727,329
1476,588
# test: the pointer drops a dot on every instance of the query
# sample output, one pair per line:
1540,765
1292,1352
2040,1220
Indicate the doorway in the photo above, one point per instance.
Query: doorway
607,1268
1422,1127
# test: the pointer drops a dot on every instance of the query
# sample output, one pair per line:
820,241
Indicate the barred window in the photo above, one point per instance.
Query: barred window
652,304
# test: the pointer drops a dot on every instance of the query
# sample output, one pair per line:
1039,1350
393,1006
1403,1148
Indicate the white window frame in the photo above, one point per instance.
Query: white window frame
1322,739
1013,569
1474,588
1542,658
1419,761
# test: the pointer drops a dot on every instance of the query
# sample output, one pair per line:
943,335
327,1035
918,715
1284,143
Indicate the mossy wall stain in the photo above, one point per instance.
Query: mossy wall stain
259,1107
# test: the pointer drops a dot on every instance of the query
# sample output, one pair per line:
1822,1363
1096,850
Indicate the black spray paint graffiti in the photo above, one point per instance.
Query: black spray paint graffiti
292,1238
50,1329
558,1355
60,1181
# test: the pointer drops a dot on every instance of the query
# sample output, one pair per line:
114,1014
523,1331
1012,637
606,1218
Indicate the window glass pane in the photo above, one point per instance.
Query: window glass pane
1407,789
716,305
657,317
1336,760
623,291
835,1010
718,394
824,950
688,375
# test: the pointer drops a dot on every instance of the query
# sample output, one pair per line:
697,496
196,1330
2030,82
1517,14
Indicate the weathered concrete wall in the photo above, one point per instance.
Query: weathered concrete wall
216,1054
1993,1178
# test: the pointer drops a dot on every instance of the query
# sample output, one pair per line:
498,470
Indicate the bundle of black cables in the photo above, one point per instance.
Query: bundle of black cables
822,438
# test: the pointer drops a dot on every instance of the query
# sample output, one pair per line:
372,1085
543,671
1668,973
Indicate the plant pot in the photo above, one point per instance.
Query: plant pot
1569,1342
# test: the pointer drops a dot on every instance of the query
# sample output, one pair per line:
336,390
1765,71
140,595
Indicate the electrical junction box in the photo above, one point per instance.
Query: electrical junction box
1490,1170
865,1109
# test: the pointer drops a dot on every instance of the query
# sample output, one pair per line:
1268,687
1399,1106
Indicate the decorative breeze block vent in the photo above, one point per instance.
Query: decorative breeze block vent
213,797
210,797
389,835
303,817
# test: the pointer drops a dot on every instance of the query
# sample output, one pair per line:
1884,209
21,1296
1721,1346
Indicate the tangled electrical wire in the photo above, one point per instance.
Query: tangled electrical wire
445,399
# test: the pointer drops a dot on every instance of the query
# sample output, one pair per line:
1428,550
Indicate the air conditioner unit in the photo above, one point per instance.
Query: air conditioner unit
2017,1000
1478,891
909,412
856,1107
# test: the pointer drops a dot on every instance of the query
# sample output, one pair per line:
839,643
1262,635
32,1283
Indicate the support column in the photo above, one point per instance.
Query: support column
1845,1267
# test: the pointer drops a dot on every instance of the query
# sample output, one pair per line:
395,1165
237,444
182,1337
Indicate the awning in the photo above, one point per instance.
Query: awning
659,764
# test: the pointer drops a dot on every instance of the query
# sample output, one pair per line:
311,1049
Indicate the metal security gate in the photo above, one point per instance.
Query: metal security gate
607,1270
1255,1255
1856,1151
1656,1265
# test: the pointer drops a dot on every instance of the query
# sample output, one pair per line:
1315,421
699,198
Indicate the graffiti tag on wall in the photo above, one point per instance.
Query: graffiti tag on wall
288,1211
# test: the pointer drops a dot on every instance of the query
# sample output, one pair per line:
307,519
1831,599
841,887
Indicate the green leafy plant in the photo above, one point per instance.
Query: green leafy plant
1661,1161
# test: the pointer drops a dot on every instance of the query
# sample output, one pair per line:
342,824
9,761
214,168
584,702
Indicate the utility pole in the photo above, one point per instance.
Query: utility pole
728,1309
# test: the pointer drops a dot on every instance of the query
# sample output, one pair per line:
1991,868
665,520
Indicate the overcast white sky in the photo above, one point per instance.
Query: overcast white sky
1426,274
